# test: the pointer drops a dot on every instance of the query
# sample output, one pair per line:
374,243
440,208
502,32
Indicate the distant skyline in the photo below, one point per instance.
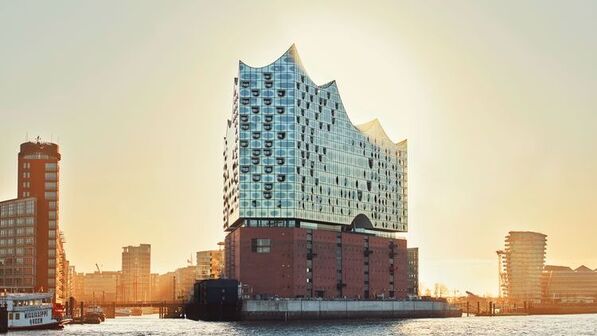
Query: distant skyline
496,99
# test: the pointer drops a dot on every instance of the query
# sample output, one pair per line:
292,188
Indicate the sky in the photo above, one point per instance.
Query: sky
496,98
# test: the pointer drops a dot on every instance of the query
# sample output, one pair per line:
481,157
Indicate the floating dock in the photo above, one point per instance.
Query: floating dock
295,309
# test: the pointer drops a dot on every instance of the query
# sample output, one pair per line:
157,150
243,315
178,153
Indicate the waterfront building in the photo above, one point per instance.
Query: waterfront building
562,284
32,255
100,287
313,204
523,261
413,271
210,264
185,279
164,287
136,273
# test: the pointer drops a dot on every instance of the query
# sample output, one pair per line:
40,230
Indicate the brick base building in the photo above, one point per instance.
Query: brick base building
299,262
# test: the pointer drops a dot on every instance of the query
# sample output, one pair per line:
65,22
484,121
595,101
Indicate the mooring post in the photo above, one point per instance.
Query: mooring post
81,312
467,308
3,320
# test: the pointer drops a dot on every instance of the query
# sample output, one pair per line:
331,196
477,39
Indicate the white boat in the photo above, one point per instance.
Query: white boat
30,311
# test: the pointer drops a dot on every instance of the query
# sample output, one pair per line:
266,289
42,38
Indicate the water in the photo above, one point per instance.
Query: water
513,325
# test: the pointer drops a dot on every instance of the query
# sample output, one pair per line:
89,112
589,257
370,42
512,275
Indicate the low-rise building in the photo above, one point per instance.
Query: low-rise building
561,284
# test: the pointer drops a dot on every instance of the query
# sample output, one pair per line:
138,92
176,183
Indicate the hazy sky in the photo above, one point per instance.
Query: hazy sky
497,99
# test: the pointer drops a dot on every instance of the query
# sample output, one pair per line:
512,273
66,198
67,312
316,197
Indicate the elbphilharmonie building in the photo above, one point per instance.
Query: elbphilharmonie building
312,203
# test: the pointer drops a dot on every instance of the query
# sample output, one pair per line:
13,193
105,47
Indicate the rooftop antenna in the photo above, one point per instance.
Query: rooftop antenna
38,139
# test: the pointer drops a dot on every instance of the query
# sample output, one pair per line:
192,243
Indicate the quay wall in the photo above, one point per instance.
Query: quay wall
331,309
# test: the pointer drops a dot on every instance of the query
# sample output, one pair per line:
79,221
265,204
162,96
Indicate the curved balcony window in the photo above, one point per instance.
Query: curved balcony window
245,101
281,135
269,84
267,101
245,84
244,118
268,186
255,93
280,109
256,177
267,152
244,126
280,161
255,109
267,75
255,160
244,169
244,143
267,126
281,93
267,194
256,135
269,118
268,169
281,178
269,143
256,152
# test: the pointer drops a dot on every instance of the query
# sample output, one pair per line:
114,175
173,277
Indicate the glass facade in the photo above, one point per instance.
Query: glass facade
293,158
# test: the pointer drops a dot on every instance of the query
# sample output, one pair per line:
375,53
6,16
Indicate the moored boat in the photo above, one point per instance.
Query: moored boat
31,311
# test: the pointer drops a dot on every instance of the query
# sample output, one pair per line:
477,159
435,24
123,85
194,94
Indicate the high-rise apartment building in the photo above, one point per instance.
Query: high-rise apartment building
521,265
32,255
136,273
312,203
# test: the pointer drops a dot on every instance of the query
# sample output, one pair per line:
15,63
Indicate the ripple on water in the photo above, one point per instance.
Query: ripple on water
510,326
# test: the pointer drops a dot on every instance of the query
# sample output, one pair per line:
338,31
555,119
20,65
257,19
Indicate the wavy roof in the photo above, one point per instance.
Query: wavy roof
372,129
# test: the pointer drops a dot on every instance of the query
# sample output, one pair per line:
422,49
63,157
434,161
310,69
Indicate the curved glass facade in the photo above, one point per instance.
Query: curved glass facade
293,158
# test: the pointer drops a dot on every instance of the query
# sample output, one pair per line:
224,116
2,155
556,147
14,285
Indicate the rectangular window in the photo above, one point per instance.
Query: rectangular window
50,195
51,167
51,176
261,245
50,186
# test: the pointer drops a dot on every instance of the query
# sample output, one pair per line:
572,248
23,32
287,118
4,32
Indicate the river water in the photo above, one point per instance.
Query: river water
512,325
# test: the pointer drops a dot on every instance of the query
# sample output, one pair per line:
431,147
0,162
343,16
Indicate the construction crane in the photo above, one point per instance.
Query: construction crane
98,268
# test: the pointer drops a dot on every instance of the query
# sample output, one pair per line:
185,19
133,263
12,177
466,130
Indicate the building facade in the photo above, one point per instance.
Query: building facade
523,261
561,284
31,243
136,273
304,185
98,287
210,264
413,271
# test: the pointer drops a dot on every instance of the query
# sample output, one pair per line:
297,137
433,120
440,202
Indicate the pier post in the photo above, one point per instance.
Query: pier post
467,308
478,308
489,311
3,320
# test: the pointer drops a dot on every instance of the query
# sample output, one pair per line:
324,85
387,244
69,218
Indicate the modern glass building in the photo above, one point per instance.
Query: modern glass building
293,158
312,203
